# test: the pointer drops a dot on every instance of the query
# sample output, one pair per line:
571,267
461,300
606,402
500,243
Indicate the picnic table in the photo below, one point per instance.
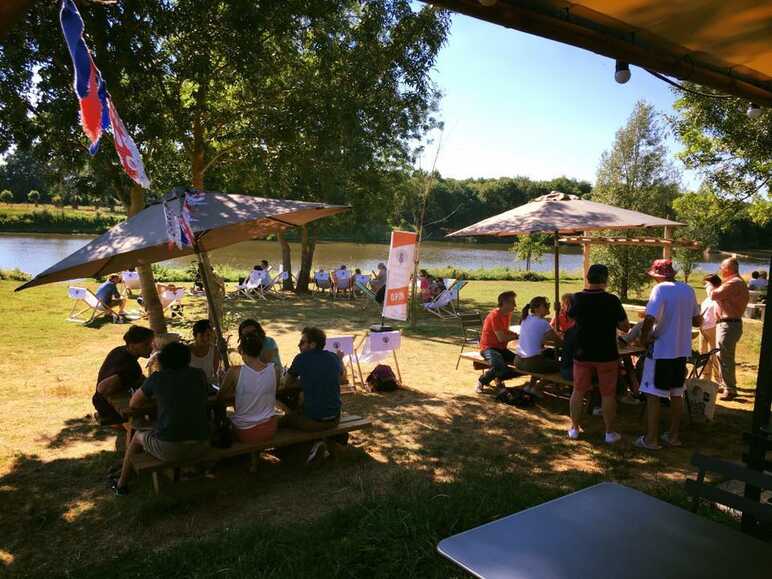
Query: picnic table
607,530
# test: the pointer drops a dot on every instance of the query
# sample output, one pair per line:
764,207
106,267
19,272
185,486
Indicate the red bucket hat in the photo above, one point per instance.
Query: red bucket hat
662,269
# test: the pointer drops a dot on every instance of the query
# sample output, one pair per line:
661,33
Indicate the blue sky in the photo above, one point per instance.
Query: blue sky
516,104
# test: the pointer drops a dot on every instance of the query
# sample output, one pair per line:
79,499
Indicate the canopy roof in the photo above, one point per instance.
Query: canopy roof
562,213
218,221
717,43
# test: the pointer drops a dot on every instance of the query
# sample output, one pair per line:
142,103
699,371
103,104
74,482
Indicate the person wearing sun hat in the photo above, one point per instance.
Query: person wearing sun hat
672,310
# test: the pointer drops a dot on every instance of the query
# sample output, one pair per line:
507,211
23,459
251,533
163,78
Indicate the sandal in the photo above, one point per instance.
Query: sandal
640,442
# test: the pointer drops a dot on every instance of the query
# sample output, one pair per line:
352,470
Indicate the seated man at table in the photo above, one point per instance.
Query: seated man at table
108,294
120,372
182,430
318,374
494,338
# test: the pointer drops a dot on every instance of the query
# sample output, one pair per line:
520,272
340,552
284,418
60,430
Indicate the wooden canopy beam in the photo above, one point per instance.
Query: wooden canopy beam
642,241
579,26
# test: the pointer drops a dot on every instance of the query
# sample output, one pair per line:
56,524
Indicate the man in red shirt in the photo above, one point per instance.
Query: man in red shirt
494,339
731,297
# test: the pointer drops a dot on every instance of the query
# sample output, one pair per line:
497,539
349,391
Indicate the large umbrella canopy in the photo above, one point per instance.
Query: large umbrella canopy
217,221
561,213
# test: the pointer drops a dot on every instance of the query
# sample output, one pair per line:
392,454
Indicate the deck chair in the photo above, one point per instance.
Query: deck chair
443,305
366,292
342,282
130,281
274,285
94,306
356,281
471,330
172,304
345,344
252,287
322,281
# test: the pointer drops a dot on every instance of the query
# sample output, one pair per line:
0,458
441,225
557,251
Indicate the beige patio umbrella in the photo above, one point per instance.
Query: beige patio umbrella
558,213
216,220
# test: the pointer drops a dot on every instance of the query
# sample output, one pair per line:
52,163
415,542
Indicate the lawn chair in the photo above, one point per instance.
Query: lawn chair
366,292
345,344
471,330
444,305
252,286
273,287
94,306
130,281
322,281
171,302
359,279
342,282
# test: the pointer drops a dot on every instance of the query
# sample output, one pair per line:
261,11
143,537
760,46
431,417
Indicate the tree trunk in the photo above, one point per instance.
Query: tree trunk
151,304
307,247
528,261
286,261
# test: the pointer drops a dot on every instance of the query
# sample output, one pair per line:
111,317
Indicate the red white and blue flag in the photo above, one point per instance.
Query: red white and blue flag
97,112
179,213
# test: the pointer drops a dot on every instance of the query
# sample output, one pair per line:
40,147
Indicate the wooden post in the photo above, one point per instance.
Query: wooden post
586,254
666,249
204,267
557,273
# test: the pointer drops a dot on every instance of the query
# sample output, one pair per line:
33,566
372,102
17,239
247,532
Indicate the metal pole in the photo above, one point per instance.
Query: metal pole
557,273
204,268
760,437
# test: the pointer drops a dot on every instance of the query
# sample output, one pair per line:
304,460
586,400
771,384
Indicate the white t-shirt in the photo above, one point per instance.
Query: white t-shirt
673,305
532,330
255,396
708,311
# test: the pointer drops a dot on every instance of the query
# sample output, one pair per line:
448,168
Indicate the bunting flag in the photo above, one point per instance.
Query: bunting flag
97,111
179,214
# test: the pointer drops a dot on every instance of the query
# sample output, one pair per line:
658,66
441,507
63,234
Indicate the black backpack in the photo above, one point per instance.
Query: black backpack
516,397
382,379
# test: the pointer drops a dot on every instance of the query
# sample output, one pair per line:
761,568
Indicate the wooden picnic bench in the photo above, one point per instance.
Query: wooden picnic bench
284,437
481,363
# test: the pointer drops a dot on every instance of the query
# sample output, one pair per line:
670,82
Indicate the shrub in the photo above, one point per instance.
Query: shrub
33,197
57,200
74,201
6,196
14,275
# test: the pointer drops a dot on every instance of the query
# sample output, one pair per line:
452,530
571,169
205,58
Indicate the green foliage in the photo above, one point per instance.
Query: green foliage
57,200
732,151
6,196
33,197
635,174
65,221
14,274
531,247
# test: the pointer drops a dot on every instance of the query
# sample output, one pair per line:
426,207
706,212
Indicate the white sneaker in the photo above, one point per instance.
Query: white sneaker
612,437
597,411
573,434
480,388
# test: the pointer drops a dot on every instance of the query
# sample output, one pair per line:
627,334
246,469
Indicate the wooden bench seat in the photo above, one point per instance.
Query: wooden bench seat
477,359
284,437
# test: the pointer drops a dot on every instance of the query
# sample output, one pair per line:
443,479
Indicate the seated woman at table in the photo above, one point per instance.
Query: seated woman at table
120,372
270,352
182,429
204,354
253,386
561,322
534,331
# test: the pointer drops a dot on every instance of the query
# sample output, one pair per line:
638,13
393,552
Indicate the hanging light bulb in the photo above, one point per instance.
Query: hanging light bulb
487,2
754,111
622,73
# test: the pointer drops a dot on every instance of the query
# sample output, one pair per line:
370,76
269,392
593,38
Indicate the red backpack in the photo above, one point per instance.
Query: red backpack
382,379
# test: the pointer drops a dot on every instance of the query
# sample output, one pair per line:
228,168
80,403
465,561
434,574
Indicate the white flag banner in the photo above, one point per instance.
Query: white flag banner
400,268
343,344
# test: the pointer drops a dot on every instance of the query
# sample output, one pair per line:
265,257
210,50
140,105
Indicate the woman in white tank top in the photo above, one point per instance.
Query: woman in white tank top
253,386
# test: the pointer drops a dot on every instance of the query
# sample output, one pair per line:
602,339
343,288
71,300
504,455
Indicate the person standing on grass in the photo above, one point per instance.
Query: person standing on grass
182,430
120,372
494,338
108,294
708,328
598,315
674,310
731,298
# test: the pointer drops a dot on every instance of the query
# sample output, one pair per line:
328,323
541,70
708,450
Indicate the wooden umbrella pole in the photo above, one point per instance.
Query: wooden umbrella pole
557,273
204,268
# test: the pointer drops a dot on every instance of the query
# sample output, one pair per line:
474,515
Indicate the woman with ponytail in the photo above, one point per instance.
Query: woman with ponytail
534,331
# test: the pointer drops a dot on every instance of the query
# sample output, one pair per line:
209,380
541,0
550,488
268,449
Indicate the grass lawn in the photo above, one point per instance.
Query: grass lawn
439,459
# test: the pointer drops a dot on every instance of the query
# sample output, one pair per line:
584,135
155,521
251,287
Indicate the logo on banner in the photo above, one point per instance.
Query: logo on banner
397,296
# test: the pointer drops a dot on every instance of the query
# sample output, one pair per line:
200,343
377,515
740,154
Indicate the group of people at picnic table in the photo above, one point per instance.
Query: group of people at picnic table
187,380
592,324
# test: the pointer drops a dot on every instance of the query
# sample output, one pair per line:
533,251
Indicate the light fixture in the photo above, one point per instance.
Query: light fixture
487,2
622,73
754,111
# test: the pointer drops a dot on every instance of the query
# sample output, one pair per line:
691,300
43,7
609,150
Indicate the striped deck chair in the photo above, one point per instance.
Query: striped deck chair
443,305
364,290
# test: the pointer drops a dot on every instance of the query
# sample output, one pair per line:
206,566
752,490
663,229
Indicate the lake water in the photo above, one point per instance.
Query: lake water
35,252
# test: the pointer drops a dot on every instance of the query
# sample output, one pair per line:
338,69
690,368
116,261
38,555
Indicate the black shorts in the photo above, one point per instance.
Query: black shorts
670,373
107,414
